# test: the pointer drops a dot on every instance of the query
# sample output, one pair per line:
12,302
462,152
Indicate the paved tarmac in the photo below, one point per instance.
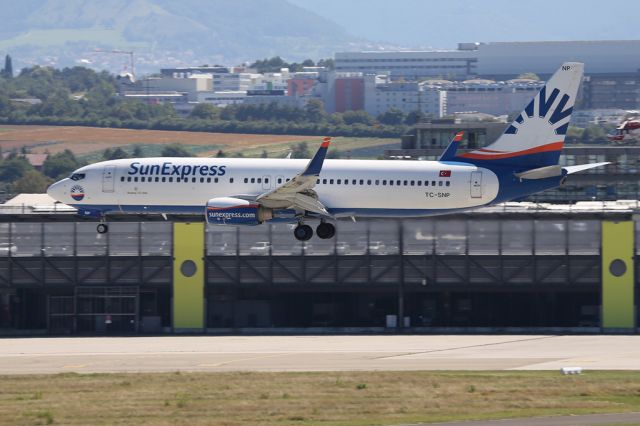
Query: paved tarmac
586,420
317,353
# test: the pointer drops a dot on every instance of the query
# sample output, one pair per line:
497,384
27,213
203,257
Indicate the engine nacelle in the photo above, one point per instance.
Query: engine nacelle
235,211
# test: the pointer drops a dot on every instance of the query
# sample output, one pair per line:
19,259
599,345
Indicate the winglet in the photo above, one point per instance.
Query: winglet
315,165
450,152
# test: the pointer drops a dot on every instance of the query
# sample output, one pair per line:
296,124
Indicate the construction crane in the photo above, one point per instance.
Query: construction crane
121,52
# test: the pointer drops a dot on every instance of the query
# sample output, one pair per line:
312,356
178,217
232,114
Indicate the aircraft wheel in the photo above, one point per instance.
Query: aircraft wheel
303,232
102,228
326,230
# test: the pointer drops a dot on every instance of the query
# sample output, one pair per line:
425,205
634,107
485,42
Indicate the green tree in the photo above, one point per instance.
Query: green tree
60,164
392,117
8,67
354,117
414,117
205,112
221,154
300,150
175,150
114,154
264,154
13,168
138,152
314,111
32,182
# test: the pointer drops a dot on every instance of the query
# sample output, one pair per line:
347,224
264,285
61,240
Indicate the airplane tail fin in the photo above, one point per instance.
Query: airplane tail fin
536,137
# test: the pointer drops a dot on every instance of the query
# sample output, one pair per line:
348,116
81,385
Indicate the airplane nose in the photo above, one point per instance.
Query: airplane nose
57,190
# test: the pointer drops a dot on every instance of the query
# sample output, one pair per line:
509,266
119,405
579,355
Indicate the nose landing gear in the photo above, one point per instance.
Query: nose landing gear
102,228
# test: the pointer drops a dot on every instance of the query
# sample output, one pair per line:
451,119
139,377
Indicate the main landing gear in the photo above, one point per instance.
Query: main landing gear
102,228
324,231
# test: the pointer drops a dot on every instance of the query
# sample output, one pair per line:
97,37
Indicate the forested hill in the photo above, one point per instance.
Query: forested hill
223,30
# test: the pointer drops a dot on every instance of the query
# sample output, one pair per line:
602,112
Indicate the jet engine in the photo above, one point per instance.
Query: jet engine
235,211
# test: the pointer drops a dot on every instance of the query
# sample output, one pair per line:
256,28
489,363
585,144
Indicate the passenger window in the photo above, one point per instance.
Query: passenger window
122,179
448,183
170,179
377,182
324,181
354,182
253,180
230,180
266,180
413,183
246,180
215,180
433,183
129,179
259,180
346,181
202,180
331,181
135,179
164,179
193,180
361,181
208,180
419,183
440,183
178,180
280,180
339,181
368,181
406,182
142,179
157,179
384,182
391,182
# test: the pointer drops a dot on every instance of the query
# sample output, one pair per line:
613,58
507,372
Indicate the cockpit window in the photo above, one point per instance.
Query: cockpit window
77,176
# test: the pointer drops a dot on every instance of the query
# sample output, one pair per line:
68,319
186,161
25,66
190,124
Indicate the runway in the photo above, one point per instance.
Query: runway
316,353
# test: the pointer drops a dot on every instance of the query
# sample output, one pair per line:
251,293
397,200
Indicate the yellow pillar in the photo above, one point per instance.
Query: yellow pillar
618,275
188,276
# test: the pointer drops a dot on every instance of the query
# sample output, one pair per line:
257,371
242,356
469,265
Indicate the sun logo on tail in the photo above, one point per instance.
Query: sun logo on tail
544,108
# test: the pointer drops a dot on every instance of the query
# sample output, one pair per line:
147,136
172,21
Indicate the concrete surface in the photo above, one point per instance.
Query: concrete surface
316,353
586,420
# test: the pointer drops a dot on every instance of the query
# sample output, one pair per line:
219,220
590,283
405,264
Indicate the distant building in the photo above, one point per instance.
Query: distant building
410,65
222,99
490,97
381,95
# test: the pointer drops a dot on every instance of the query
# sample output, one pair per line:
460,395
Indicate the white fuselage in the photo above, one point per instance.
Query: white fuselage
345,187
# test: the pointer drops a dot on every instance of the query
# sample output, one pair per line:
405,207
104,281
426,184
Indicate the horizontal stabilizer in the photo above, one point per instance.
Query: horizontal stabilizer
580,167
540,173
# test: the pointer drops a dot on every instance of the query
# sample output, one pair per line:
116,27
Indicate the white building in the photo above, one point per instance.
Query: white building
381,94
234,81
191,85
410,65
499,59
489,97
224,98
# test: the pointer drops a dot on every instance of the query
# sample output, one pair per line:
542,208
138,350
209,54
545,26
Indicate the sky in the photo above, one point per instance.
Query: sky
444,23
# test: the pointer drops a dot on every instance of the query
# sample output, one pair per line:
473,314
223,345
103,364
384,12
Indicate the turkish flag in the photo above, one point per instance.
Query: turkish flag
445,173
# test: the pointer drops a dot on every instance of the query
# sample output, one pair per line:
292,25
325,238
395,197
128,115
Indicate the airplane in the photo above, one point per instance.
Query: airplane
242,191
628,132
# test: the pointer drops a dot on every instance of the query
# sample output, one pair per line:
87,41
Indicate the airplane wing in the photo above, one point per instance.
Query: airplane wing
298,193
